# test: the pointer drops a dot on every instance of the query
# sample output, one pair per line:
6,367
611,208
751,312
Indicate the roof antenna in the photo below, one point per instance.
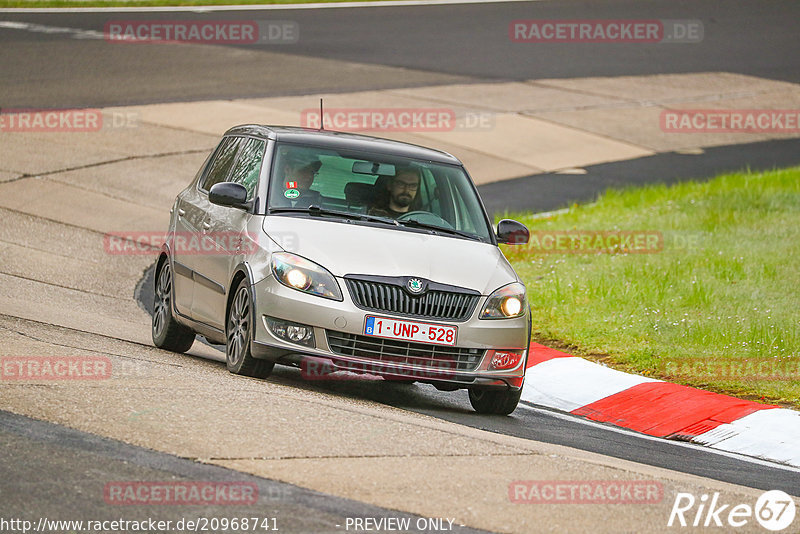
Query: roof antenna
321,116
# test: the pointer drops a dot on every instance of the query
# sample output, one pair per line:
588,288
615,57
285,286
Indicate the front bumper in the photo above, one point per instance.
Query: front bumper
334,322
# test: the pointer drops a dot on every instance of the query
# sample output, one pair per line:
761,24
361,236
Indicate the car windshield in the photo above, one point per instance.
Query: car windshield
401,192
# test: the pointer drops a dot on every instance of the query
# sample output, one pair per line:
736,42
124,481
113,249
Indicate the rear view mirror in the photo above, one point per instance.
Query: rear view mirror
374,168
512,232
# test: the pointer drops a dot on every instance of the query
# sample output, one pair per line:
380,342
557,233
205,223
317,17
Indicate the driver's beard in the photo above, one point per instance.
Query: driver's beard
403,201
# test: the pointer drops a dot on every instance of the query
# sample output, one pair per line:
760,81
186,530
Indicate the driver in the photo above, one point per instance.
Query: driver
299,174
402,190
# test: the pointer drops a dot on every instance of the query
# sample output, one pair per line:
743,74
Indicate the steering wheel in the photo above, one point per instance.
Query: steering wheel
425,217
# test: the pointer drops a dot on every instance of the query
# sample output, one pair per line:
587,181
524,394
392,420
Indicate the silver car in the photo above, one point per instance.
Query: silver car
338,252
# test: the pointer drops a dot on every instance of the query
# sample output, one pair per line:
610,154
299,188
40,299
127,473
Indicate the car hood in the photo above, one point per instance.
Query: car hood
345,248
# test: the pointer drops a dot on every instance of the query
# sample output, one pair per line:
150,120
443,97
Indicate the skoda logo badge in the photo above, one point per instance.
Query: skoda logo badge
415,285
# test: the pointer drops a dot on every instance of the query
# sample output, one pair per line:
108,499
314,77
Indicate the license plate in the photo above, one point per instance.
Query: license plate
410,331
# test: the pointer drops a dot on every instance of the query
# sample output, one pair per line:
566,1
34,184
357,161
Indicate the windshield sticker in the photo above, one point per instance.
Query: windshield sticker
291,193
291,185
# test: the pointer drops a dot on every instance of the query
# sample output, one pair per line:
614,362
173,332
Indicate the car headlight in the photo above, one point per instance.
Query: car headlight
507,302
304,275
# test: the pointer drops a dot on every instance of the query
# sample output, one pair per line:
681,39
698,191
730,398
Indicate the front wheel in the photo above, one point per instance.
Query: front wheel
494,401
238,357
168,334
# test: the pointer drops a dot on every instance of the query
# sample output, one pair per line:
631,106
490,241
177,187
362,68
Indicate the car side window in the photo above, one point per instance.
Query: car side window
248,165
223,162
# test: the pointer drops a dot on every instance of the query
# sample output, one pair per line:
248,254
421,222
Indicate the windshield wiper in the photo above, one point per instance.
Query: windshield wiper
316,210
413,223
418,224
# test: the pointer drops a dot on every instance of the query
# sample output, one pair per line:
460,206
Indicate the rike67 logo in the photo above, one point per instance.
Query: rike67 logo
774,510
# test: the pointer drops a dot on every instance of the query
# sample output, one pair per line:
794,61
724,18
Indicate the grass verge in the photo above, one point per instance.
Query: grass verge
709,295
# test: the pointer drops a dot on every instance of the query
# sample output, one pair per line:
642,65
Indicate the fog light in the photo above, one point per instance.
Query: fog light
298,334
292,332
504,359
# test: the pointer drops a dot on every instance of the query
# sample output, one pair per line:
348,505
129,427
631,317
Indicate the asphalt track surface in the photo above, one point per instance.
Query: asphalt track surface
437,43
415,46
45,453
531,422
55,70
551,191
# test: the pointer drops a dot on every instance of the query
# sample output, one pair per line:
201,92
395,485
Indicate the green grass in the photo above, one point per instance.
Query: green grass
718,307
149,3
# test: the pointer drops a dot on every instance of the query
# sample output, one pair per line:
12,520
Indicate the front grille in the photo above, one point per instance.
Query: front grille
392,298
394,351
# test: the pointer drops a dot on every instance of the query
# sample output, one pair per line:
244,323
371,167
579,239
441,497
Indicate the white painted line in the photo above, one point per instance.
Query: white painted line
253,7
548,214
562,211
573,171
75,33
571,383
773,434
682,444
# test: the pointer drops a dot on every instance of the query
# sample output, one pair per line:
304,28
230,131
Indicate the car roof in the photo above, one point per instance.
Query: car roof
341,140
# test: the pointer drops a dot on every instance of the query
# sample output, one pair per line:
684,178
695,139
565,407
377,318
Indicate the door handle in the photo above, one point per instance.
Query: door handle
206,225
181,212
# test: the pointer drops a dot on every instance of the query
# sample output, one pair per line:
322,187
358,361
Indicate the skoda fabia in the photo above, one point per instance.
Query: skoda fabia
339,252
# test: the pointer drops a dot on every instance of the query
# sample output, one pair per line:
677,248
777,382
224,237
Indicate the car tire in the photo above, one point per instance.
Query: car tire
167,333
494,402
239,333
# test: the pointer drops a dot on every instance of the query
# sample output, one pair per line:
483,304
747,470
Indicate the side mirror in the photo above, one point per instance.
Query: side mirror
512,232
229,194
